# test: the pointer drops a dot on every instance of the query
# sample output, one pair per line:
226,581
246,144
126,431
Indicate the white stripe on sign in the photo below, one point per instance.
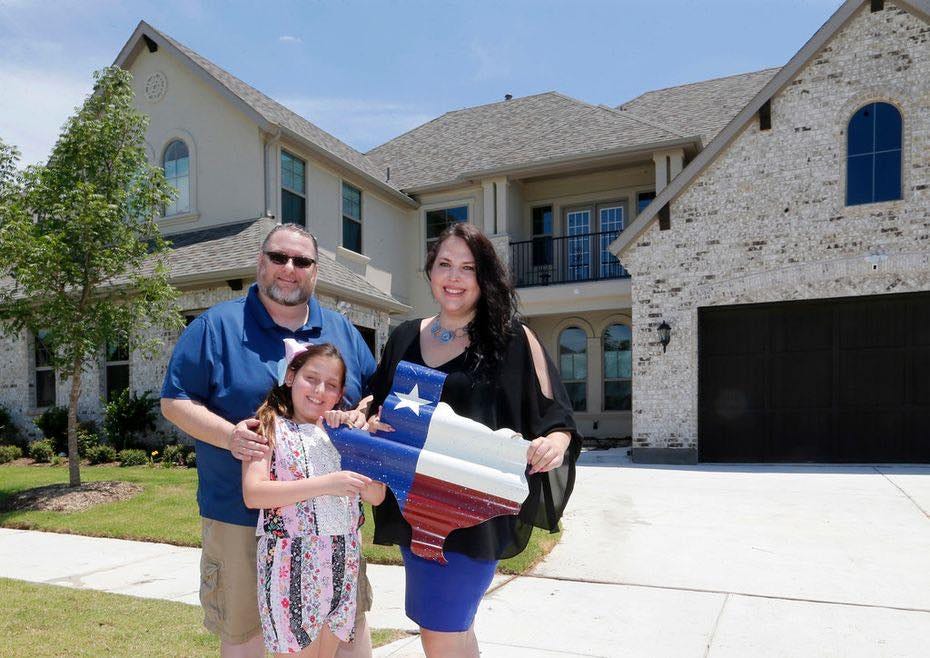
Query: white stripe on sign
464,452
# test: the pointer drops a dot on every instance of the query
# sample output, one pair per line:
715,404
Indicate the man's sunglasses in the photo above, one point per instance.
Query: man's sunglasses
278,258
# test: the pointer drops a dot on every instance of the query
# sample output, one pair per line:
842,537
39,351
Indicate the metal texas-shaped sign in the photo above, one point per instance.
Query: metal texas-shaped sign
446,471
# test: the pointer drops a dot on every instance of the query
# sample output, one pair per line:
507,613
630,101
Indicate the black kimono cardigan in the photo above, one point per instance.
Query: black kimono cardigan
512,398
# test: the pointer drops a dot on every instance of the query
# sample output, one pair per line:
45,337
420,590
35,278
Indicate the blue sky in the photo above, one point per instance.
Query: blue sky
367,71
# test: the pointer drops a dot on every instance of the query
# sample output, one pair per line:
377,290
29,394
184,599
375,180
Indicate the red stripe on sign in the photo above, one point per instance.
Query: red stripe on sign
436,507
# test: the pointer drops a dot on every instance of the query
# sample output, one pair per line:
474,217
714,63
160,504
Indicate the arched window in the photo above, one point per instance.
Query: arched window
177,173
873,154
618,368
573,362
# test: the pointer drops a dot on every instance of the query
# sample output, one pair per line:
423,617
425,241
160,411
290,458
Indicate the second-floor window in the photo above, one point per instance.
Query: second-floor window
351,218
293,189
542,236
873,155
438,220
44,373
590,230
177,173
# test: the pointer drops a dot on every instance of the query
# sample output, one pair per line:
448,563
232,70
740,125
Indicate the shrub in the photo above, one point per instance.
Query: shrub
128,417
86,440
101,454
191,459
174,454
42,451
9,453
54,425
9,432
132,457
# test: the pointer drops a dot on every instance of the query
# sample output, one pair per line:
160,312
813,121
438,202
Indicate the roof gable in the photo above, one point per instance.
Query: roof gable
705,158
266,112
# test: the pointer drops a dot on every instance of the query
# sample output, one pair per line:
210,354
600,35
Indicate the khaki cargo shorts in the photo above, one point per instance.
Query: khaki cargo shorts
229,582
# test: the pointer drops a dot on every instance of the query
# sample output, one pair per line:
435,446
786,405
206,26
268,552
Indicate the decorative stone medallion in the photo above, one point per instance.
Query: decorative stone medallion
155,87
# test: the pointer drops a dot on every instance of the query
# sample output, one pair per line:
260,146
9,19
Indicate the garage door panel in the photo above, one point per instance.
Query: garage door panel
800,436
874,323
737,382
802,329
736,437
919,323
918,441
729,334
802,379
871,436
871,378
919,378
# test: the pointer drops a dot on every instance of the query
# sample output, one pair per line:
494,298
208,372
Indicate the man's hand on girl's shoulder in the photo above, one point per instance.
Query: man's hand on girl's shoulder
245,444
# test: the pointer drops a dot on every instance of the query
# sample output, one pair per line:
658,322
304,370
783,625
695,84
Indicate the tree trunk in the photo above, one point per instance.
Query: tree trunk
74,459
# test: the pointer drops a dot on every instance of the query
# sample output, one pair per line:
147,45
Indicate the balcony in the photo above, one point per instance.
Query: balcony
546,261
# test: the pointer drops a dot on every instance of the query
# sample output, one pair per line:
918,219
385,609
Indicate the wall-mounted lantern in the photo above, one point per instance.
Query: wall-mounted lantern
665,334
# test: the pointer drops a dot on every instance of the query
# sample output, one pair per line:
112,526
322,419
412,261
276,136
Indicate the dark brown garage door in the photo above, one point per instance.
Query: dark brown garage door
838,380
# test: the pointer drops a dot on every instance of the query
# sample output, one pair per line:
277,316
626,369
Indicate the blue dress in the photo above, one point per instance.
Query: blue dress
445,598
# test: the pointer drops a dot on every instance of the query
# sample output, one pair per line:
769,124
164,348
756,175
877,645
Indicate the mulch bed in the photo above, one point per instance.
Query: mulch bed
62,498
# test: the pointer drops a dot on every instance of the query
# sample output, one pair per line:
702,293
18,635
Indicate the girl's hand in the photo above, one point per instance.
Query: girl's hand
546,452
353,418
345,483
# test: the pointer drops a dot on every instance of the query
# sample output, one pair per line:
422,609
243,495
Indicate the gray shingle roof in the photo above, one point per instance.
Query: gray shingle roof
516,132
701,108
275,113
209,251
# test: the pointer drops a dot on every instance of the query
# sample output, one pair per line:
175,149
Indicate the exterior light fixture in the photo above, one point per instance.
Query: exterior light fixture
665,334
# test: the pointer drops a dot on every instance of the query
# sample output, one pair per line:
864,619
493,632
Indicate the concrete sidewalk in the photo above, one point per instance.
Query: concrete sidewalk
695,561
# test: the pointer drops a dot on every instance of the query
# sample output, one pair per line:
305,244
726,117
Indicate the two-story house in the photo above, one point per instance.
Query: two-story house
561,186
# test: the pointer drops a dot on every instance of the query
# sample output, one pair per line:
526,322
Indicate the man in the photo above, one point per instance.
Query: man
224,364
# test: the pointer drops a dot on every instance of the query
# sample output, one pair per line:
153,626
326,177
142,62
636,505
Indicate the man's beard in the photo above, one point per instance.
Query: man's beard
296,297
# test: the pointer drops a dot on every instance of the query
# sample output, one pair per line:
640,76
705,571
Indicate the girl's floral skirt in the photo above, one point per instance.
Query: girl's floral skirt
304,583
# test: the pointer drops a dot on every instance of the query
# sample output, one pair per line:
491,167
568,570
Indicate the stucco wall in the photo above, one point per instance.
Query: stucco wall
568,191
767,221
225,146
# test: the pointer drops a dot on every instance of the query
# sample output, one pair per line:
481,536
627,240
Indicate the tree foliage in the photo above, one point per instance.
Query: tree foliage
80,251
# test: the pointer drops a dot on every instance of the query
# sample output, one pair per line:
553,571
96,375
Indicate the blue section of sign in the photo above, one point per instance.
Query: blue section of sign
384,460
391,457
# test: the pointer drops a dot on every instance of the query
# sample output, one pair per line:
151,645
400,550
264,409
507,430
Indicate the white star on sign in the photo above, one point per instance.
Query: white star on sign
411,400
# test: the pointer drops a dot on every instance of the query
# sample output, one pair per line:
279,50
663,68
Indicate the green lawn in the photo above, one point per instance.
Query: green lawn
40,620
166,511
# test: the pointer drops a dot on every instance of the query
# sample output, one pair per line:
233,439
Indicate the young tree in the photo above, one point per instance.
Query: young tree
80,250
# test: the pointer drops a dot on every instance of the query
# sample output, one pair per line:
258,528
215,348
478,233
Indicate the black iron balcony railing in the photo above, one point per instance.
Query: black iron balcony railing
545,261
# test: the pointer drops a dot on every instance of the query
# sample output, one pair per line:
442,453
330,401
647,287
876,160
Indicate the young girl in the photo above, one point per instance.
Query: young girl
309,543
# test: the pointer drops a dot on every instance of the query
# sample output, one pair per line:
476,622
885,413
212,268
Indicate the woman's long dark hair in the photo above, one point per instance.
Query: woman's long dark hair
279,402
490,330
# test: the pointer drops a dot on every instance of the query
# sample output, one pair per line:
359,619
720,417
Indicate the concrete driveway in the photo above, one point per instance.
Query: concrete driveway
717,560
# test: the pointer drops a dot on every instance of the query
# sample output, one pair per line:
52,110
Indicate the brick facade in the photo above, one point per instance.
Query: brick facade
767,221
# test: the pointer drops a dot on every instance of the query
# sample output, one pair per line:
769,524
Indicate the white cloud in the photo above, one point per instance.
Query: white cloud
360,123
34,105
287,38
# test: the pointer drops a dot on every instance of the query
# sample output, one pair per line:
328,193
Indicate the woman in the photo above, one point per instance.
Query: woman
497,374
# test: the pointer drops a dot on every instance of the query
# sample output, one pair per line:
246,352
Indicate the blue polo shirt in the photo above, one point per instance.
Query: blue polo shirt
228,359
